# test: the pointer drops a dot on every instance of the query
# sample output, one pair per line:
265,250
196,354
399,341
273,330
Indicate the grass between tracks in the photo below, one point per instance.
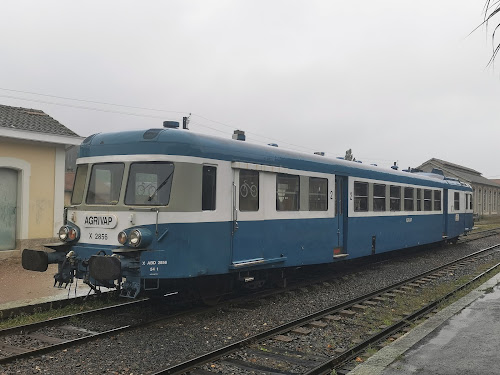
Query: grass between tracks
405,304
39,316
486,223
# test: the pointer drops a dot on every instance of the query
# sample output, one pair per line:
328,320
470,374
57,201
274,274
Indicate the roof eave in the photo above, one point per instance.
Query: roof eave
41,137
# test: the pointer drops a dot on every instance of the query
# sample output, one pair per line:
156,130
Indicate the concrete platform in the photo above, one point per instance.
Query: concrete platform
463,338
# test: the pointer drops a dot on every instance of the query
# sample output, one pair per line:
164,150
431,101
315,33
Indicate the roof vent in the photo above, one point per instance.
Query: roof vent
273,144
151,133
171,124
320,153
239,135
395,166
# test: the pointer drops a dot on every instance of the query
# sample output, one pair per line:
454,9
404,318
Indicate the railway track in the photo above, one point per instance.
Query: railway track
61,332
37,339
249,354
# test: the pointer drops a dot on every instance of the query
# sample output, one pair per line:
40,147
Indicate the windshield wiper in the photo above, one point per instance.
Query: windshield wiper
160,186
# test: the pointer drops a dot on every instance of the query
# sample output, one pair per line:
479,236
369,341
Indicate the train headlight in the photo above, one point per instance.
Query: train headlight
135,238
63,233
72,234
122,238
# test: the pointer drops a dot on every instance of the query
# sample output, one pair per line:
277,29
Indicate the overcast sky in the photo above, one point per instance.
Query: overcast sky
395,80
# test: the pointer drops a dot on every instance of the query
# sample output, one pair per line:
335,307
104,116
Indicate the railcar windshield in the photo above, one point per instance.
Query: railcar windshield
79,185
149,184
105,183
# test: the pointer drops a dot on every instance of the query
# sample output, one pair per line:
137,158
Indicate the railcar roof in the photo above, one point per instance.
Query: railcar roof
188,143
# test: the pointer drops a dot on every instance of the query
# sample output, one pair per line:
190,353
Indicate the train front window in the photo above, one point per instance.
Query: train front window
79,185
105,183
149,184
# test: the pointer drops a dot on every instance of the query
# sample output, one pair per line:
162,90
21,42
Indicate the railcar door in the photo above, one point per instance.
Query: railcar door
340,211
248,230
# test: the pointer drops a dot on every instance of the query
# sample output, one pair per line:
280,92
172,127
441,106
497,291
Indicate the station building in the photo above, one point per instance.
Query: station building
486,193
32,172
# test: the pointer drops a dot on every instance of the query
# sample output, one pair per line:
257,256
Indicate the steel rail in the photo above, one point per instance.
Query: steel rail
80,340
60,319
190,364
13,312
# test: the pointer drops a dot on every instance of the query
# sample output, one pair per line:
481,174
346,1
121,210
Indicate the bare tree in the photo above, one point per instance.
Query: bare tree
348,154
492,10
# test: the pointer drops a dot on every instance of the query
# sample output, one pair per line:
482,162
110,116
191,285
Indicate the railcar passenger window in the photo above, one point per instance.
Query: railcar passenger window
360,196
419,199
395,202
287,192
456,201
437,200
79,185
378,197
409,199
149,184
249,190
105,183
208,188
471,206
318,194
427,200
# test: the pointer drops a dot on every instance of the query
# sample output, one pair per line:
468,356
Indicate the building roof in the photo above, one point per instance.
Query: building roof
460,172
34,120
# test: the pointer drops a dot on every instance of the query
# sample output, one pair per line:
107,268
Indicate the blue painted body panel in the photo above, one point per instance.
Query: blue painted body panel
392,233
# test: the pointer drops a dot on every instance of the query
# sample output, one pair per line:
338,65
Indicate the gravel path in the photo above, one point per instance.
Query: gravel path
161,345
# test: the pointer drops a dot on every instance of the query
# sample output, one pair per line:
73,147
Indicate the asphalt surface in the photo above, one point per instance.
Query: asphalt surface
463,338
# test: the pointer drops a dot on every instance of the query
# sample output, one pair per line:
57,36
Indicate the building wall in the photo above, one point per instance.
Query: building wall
41,158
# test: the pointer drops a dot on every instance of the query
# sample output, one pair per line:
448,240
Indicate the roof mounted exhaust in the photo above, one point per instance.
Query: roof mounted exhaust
239,135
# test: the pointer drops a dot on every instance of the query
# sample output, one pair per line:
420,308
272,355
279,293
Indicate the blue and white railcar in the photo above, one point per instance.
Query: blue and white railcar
166,209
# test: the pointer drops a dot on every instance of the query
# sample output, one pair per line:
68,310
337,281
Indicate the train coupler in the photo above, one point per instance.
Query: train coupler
130,289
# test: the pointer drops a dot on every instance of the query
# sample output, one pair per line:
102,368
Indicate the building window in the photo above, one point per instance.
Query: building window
437,200
318,194
395,202
209,188
378,197
249,190
408,203
419,199
287,192
360,196
427,200
456,201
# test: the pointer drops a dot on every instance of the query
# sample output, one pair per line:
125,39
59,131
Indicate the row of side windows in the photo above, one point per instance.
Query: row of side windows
381,197
288,192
